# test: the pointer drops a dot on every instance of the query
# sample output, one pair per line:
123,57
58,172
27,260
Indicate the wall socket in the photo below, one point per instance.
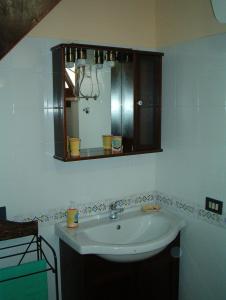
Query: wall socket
3,213
214,205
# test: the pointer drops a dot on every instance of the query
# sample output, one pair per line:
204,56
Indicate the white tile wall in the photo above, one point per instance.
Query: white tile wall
30,179
193,164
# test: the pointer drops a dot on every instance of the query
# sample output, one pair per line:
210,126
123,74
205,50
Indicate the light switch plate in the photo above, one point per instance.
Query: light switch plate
214,205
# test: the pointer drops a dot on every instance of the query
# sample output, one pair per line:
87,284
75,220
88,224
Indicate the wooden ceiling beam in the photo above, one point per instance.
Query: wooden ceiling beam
18,17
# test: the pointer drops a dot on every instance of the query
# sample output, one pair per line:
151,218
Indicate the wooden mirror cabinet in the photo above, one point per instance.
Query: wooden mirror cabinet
126,101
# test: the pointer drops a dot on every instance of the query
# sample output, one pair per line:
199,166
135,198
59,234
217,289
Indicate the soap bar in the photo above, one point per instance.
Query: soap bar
150,207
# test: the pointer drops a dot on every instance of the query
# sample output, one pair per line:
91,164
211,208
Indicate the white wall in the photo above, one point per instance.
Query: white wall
193,164
144,23
31,180
127,22
191,167
183,20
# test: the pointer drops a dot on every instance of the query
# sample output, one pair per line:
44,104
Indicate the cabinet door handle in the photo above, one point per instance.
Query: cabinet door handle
140,102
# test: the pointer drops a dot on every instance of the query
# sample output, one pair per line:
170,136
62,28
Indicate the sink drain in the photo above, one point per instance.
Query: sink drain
118,227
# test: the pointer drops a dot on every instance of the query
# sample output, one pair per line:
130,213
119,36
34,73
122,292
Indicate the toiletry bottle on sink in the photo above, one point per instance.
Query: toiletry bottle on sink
72,216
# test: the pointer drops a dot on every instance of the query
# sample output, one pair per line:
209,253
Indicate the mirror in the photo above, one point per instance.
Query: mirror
89,85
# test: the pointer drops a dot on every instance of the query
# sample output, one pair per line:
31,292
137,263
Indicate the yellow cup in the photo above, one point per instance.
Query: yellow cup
107,142
74,146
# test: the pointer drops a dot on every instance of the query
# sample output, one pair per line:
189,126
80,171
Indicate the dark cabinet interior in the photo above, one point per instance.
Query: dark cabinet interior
88,277
134,92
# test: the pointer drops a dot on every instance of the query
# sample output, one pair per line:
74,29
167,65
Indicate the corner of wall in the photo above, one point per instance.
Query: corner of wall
181,20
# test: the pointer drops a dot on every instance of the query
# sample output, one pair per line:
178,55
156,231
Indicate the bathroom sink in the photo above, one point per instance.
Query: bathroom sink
135,236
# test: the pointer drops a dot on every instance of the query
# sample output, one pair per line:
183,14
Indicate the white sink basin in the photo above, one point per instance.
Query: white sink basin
135,236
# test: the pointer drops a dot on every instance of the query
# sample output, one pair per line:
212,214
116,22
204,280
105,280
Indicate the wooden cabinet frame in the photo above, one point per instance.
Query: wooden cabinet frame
131,124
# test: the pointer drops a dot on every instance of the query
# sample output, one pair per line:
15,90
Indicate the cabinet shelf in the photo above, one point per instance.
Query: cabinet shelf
95,153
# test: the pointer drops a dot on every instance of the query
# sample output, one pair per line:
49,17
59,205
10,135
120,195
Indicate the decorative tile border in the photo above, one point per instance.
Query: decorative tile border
176,205
94,208
190,210
214,219
50,217
89,209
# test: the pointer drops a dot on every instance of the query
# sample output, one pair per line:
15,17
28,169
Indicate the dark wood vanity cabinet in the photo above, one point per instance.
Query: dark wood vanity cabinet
135,99
89,277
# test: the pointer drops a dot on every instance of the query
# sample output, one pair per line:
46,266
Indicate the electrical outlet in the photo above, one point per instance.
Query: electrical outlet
214,205
3,213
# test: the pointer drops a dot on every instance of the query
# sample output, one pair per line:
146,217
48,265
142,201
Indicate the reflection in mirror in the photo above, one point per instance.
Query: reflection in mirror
88,93
88,90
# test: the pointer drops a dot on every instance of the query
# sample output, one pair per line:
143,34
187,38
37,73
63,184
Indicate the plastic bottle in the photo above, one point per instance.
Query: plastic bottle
72,216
